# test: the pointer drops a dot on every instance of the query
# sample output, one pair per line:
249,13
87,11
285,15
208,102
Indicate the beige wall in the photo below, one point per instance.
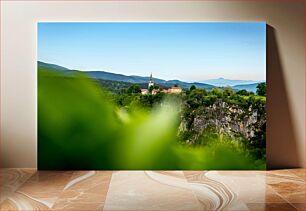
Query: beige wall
286,63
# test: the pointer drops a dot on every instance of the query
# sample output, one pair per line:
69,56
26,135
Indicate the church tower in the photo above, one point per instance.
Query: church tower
151,83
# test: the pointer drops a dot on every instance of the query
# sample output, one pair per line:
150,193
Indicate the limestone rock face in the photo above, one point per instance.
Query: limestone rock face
224,118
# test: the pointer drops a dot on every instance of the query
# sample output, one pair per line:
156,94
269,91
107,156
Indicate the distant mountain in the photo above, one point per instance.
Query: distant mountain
142,79
222,82
248,87
102,75
52,66
116,77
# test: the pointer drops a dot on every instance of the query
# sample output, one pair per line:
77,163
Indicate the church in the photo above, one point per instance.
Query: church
174,89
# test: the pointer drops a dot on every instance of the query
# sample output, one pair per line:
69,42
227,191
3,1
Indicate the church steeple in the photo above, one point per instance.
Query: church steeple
151,83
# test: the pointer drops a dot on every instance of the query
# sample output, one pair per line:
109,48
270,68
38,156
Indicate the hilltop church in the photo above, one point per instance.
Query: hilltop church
174,89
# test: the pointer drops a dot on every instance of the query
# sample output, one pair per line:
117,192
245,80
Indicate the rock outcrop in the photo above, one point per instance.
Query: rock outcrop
233,120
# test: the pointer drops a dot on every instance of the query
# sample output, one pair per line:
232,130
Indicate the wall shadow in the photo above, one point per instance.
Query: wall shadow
281,139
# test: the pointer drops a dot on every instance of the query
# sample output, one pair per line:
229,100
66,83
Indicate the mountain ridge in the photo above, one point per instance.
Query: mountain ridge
222,82
124,78
249,85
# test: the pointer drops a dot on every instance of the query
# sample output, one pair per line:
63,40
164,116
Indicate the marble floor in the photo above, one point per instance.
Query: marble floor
28,189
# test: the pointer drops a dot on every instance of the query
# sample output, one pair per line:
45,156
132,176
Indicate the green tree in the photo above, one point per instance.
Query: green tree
261,89
196,98
151,88
134,89
243,92
228,91
193,87
217,92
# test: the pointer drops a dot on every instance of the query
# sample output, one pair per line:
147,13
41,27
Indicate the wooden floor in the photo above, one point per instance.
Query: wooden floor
28,189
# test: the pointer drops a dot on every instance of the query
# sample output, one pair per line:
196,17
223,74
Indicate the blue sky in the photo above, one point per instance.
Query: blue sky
185,51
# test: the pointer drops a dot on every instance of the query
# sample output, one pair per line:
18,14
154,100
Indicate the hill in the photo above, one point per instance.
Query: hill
222,82
51,66
113,79
102,75
248,87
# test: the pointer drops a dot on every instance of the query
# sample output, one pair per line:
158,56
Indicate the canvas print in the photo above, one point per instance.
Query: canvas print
151,96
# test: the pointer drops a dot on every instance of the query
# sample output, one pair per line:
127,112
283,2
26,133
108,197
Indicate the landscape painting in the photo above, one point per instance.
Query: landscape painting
151,95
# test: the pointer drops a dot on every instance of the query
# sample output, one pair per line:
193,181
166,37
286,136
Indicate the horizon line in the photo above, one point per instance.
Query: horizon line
189,81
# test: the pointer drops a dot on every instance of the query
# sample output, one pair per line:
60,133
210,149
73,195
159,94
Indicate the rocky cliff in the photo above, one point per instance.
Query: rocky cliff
224,118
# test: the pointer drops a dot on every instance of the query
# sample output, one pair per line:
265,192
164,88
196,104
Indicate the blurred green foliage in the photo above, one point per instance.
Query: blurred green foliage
81,126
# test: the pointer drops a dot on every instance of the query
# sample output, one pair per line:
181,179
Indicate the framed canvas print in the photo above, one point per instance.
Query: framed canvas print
151,95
